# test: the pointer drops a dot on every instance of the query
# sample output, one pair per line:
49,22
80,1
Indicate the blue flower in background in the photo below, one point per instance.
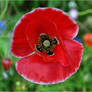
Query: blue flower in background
2,26
77,39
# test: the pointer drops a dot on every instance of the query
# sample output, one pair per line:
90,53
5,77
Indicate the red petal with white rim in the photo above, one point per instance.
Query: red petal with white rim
35,69
67,28
42,20
19,45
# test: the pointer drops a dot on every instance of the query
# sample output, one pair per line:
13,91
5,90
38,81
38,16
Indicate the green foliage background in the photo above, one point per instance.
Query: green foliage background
10,12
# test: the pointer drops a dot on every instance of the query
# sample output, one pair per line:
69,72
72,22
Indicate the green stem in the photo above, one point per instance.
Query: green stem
85,12
5,9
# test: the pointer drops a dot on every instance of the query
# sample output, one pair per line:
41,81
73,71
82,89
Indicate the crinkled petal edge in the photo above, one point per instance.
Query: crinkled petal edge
77,30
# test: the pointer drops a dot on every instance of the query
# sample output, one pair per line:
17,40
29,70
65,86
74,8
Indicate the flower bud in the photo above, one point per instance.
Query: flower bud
6,63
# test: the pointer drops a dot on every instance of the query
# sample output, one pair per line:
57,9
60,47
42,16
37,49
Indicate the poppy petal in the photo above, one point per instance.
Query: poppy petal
67,28
19,45
67,53
74,52
60,55
43,20
35,69
36,28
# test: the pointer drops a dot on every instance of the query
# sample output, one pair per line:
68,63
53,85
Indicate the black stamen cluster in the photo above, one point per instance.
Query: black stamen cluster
41,48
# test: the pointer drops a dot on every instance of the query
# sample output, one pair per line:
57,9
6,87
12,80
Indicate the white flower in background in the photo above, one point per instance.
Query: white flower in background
73,13
72,4
5,75
86,77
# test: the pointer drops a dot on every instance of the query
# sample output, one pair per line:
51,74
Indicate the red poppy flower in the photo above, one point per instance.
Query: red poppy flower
48,32
88,39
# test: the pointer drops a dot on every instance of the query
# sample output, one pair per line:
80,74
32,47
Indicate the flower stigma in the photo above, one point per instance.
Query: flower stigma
46,43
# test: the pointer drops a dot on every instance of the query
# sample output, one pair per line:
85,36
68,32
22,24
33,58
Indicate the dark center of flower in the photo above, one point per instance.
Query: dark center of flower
46,44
